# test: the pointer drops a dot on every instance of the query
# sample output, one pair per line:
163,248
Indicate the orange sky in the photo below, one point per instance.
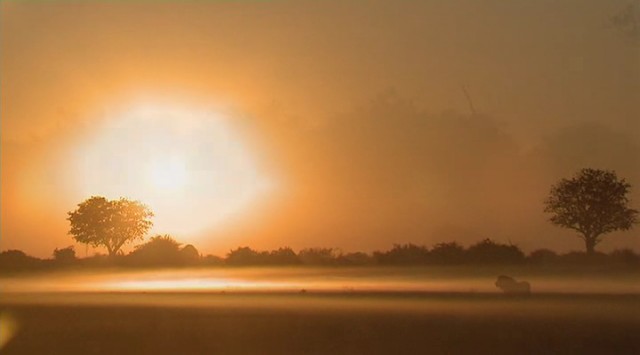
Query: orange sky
354,109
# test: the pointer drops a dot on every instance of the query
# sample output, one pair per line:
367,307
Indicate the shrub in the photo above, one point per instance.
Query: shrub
161,250
624,256
283,256
65,255
357,258
189,254
403,254
447,253
17,260
543,256
490,252
243,256
318,256
582,258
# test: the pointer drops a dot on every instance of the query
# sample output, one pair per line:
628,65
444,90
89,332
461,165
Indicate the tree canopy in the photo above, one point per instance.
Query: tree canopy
593,203
109,223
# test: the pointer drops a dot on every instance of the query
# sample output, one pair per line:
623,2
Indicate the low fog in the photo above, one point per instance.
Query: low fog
340,281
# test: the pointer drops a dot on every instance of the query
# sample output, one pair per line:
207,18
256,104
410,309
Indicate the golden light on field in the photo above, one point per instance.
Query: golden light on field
191,165
194,284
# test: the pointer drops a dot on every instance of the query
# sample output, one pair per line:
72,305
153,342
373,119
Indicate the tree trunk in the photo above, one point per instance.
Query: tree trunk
110,250
590,243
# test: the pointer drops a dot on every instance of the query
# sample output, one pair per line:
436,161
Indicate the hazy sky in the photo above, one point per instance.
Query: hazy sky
351,112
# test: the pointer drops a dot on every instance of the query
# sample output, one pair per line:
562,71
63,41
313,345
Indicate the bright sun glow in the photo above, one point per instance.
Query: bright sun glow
169,173
192,166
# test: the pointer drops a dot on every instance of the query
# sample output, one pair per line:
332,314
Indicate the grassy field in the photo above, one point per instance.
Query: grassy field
372,316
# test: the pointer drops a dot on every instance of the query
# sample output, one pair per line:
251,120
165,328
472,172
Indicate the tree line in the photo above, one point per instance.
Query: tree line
593,203
165,251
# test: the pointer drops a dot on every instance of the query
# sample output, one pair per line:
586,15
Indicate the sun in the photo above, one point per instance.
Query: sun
192,165
168,174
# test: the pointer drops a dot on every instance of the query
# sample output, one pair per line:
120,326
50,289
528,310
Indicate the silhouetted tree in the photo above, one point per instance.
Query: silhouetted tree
593,203
489,252
64,255
109,223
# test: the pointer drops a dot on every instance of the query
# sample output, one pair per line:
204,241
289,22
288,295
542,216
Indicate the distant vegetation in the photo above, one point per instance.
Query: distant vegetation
165,251
593,203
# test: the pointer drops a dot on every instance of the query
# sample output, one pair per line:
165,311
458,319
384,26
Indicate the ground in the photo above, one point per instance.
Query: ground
321,311
323,323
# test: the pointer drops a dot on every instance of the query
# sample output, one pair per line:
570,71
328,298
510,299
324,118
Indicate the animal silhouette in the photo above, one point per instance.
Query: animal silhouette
509,285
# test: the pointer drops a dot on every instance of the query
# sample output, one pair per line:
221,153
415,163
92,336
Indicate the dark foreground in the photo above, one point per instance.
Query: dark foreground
321,323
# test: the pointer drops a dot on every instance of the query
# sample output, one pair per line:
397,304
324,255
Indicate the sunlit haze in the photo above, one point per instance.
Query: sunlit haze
314,123
320,177
188,164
